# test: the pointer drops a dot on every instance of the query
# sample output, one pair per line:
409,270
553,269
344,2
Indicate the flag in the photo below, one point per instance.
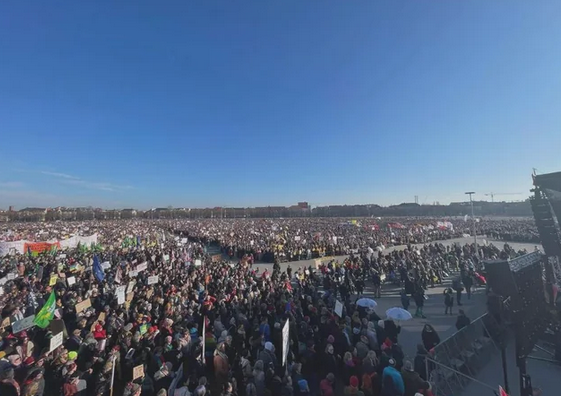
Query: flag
502,391
53,250
46,314
97,270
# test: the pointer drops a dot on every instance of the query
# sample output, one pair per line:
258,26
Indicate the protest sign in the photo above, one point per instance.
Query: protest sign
56,341
338,308
53,279
120,292
106,265
71,280
100,318
152,279
216,258
198,263
285,339
142,267
130,287
23,324
5,323
81,306
138,372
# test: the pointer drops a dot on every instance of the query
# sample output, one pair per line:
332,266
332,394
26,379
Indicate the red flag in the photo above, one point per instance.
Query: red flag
502,391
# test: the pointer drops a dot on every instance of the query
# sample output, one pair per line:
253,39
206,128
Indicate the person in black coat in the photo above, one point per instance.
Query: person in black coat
462,320
430,337
420,364
392,330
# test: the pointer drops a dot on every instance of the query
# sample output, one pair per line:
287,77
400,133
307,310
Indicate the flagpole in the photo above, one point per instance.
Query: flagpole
113,375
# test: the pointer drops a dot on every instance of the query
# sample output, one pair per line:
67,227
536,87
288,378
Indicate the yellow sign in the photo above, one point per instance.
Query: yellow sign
53,280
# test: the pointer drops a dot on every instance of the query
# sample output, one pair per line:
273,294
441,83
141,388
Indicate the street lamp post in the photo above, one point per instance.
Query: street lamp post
470,193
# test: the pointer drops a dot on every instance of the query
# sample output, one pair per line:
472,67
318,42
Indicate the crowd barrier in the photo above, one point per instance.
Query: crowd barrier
22,246
456,361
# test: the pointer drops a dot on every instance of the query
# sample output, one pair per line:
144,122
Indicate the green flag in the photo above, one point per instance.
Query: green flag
46,314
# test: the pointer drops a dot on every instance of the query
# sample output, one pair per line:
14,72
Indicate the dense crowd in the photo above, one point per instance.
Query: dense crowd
150,312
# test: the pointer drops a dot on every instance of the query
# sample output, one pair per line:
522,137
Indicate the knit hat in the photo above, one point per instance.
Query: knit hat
354,381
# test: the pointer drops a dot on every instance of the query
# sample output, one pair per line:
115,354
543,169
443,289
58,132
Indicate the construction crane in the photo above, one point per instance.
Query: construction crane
492,195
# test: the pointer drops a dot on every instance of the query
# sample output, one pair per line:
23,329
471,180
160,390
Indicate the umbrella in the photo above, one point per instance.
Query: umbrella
366,303
397,313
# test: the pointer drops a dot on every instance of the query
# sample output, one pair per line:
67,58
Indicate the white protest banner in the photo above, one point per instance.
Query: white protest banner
71,280
106,265
56,341
142,267
133,274
166,257
338,308
130,287
184,240
198,263
120,294
4,280
285,340
134,262
12,276
152,279
24,324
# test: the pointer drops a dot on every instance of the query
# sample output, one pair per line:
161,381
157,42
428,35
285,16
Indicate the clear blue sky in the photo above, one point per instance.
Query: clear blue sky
241,103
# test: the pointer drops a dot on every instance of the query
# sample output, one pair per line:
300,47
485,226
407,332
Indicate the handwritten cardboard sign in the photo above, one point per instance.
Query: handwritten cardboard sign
138,372
81,306
153,279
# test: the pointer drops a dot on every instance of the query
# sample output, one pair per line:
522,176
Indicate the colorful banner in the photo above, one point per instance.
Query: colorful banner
37,248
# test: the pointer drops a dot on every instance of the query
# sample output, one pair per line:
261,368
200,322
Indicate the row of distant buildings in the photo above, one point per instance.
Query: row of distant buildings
302,209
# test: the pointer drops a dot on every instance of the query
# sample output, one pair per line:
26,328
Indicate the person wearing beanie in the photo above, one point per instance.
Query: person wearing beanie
267,355
411,380
352,389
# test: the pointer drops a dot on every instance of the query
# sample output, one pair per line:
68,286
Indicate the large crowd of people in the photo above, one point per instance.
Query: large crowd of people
147,311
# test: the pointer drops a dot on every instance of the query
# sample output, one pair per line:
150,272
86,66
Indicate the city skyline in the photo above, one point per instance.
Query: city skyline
195,104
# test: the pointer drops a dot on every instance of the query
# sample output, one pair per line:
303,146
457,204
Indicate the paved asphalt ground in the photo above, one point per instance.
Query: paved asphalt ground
542,373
